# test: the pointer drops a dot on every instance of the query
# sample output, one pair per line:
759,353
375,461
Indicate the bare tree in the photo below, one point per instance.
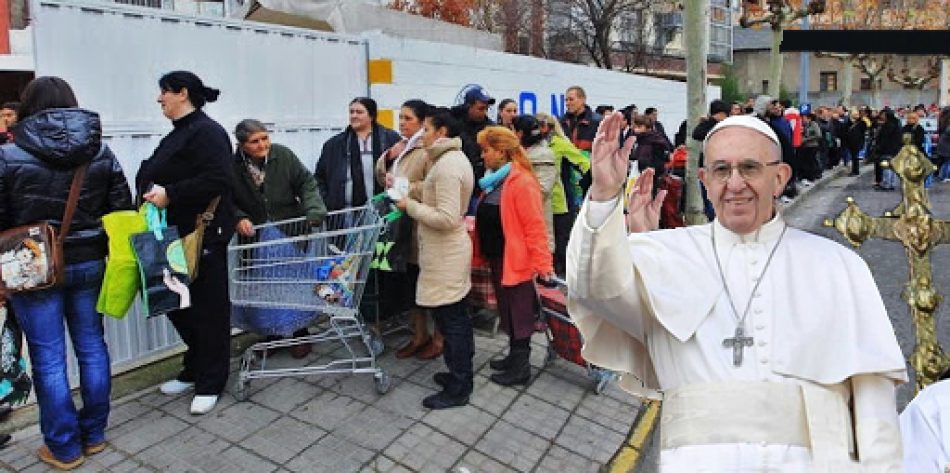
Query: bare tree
873,66
915,80
778,14
592,24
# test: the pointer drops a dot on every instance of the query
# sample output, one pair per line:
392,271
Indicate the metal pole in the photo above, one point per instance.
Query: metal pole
803,72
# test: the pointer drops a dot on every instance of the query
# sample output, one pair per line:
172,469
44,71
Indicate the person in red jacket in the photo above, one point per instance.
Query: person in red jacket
513,238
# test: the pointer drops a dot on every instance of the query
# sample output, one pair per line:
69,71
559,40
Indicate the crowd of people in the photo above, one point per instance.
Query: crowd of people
503,194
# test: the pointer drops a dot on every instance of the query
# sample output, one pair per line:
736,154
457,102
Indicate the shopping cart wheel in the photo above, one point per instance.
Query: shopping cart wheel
240,390
383,382
601,385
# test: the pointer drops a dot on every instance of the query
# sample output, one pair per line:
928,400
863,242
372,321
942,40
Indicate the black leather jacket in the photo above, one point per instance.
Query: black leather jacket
36,172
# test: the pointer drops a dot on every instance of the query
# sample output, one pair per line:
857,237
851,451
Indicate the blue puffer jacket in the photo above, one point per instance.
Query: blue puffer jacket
36,172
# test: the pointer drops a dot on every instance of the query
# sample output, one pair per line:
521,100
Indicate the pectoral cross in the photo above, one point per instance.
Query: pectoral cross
737,343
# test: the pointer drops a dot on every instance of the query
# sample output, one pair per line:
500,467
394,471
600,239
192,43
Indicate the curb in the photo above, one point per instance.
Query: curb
630,455
838,171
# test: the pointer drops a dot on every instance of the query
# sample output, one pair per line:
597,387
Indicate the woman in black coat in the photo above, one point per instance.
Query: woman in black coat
190,167
345,171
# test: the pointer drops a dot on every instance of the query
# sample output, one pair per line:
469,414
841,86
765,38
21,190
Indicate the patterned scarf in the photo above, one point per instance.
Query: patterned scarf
257,173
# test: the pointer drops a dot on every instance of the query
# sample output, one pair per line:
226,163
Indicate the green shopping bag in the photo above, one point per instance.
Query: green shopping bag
121,281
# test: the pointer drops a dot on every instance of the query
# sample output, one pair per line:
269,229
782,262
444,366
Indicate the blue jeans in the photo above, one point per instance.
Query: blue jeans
42,315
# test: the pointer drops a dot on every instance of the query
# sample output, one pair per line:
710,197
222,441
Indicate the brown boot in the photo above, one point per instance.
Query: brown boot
433,349
47,457
420,335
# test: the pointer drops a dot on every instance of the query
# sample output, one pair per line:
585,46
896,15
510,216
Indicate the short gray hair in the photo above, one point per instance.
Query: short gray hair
247,127
762,103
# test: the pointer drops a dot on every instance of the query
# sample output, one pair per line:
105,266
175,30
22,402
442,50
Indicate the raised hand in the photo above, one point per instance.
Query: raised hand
643,210
608,160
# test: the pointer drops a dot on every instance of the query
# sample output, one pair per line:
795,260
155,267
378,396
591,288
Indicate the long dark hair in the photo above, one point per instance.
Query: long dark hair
44,93
501,106
530,129
370,105
198,92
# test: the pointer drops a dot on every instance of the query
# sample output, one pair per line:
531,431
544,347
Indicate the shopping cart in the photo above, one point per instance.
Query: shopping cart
289,276
564,340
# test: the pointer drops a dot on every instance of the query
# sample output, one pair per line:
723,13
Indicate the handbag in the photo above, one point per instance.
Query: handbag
163,270
192,241
31,256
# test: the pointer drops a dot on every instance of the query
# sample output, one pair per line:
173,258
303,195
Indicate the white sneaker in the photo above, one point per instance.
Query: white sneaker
203,404
785,199
174,387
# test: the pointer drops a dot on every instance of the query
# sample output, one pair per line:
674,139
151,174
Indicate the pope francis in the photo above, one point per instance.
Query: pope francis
769,346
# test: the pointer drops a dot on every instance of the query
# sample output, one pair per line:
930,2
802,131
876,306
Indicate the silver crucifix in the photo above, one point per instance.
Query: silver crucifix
737,343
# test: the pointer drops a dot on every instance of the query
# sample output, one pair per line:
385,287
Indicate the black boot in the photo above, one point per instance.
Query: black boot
519,372
501,364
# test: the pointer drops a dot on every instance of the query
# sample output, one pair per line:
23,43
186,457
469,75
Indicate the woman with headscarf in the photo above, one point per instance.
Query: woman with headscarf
189,169
271,185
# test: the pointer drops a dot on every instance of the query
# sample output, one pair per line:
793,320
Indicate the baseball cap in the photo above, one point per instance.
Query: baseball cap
477,93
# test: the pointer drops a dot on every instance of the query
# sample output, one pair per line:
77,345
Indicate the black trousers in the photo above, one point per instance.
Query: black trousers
809,164
459,348
562,233
855,162
205,327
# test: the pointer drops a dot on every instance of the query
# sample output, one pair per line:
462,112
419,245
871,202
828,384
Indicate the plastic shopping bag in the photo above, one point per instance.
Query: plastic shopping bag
120,284
163,270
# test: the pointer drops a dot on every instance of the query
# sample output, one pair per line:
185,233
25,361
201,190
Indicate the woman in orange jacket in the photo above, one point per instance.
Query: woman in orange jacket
512,236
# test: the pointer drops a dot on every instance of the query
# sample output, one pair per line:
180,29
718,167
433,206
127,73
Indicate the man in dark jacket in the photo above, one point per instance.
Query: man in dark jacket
768,110
887,144
718,111
579,122
345,170
472,114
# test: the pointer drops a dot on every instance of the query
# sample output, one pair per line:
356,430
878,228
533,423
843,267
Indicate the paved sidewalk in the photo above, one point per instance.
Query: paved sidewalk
339,424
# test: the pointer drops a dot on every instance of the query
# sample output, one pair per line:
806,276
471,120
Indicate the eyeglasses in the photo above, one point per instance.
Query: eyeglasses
749,169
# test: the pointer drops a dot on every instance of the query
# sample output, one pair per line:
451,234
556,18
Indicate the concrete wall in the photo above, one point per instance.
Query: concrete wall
752,67
437,73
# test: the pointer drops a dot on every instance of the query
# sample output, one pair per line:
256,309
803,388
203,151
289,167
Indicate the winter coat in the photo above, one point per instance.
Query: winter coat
522,221
445,249
340,158
943,144
193,164
855,135
414,165
36,172
917,135
562,149
813,136
889,141
468,133
651,151
542,160
289,189
581,128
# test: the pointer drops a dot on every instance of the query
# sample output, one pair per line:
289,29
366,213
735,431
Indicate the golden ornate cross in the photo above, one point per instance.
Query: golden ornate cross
912,224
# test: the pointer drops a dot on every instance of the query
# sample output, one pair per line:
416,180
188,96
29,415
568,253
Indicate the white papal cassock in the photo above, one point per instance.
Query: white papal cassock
925,427
815,391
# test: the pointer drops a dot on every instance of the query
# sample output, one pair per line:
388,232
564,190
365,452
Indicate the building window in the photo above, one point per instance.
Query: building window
765,86
828,82
865,83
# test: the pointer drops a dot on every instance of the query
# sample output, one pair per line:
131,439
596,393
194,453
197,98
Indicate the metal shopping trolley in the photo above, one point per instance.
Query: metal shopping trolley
290,276
564,340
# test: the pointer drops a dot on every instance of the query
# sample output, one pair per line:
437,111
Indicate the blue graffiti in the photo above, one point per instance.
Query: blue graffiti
528,103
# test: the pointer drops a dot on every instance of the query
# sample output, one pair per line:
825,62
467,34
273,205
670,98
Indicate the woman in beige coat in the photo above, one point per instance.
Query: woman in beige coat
404,166
445,255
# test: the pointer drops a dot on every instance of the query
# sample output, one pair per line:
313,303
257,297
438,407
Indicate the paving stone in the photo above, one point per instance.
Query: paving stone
331,454
609,412
360,386
283,439
423,449
180,407
154,398
491,397
129,466
466,424
383,464
512,446
122,413
400,368
555,391
536,416
236,459
477,462
284,395
237,422
109,457
590,440
373,428
404,398
423,375
184,451
328,410
149,429
559,459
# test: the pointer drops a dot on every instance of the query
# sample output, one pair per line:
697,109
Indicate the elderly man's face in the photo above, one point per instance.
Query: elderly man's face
743,203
